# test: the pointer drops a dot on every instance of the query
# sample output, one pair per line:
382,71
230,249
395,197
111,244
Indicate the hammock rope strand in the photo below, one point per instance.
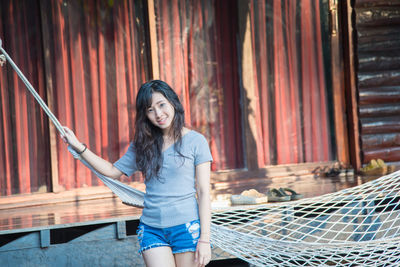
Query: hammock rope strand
33,91
128,195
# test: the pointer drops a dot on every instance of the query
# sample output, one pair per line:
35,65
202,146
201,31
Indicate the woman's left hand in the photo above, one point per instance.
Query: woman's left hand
203,253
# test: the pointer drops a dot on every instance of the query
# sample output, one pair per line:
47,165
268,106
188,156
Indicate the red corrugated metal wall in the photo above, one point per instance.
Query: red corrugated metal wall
198,57
98,55
292,113
99,65
98,61
24,147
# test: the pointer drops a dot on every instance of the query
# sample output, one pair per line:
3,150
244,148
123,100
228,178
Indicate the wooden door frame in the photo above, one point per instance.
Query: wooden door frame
339,99
348,77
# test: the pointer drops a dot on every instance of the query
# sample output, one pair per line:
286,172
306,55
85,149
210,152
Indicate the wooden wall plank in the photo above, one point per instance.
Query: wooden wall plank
153,39
378,42
342,142
53,134
351,85
252,140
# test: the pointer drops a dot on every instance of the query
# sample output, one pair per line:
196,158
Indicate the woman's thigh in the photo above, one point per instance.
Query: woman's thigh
185,259
159,256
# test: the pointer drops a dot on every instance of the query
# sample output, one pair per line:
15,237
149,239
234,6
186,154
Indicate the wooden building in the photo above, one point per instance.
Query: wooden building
279,88
264,81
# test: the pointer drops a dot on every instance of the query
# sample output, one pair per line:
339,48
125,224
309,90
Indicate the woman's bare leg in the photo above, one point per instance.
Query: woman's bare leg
185,259
159,256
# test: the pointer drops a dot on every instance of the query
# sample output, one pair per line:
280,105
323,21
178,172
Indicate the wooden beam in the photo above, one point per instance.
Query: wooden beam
121,230
339,104
252,144
351,85
276,171
45,238
54,185
153,39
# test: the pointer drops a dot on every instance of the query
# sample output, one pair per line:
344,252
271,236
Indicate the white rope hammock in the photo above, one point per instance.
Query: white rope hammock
353,227
359,226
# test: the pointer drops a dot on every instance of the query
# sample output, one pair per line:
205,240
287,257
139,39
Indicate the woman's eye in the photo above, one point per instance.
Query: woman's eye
162,104
149,110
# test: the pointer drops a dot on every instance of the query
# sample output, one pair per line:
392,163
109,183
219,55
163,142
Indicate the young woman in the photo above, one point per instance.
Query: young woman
174,228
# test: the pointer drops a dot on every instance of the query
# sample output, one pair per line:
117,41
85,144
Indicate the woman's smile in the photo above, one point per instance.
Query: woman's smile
162,121
161,113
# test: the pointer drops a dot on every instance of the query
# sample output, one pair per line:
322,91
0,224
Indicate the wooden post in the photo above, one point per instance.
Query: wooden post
252,144
44,238
121,229
54,187
339,104
351,86
153,39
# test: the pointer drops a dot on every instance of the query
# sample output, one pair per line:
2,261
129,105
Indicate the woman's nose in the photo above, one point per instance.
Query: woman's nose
157,112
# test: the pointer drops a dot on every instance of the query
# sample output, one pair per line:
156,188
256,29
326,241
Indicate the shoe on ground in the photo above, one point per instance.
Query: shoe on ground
375,167
274,195
247,200
249,197
291,193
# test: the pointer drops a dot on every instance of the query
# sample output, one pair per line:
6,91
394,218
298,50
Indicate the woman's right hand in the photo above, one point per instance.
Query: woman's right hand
100,165
72,140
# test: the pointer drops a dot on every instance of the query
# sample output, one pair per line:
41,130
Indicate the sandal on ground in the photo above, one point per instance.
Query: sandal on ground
274,195
247,200
291,193
249,197
375,167
329,171
332,172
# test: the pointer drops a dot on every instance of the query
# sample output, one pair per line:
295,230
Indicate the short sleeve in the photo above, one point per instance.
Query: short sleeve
127,163
202,153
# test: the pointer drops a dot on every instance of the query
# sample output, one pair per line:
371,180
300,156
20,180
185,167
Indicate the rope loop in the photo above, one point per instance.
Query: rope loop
2,60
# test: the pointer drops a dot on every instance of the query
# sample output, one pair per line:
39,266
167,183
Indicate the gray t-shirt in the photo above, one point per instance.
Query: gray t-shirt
170,199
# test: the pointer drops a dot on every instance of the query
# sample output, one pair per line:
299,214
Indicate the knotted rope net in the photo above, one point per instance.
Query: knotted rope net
358,226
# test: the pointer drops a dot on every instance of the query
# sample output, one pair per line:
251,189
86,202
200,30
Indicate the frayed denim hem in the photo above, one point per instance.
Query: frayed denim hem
184,250
153,246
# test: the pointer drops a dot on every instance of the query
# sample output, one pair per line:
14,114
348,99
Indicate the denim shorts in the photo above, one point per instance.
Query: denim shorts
181,238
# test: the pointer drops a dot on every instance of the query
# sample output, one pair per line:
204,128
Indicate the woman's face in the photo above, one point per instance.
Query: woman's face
161,113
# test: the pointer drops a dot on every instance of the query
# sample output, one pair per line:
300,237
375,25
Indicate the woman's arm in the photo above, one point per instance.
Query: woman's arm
99,164
203,252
